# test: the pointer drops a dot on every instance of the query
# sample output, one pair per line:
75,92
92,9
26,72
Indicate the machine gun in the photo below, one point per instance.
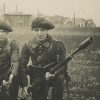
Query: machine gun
57,68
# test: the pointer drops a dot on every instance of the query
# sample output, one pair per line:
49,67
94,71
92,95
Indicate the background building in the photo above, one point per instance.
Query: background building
18,19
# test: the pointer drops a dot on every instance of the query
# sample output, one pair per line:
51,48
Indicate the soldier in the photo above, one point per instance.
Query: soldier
9,62
42,49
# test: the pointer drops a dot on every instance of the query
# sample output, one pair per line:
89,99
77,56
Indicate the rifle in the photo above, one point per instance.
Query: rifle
57,68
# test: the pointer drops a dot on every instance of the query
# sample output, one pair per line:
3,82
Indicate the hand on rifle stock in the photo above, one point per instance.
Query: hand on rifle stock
24,92
7,83
49,75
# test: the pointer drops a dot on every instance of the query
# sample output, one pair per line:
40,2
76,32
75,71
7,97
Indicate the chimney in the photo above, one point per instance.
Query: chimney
16,9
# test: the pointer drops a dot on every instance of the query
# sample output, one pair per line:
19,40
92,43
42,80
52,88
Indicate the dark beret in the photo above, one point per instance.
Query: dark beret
40,22
6,27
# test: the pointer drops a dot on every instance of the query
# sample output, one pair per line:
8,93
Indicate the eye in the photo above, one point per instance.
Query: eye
36,29
42,29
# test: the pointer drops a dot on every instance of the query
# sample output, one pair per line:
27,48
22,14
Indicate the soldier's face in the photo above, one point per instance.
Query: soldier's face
3,35
40,34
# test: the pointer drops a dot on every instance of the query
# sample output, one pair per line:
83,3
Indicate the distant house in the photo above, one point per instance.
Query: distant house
68,22
79,22
18,19
89,23
57,20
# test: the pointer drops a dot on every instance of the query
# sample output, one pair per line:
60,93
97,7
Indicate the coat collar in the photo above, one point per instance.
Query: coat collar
34,44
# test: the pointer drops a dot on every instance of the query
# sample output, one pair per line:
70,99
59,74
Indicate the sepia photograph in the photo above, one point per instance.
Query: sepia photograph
49,50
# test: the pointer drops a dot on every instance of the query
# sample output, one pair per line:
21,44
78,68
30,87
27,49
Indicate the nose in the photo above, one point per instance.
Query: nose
39,32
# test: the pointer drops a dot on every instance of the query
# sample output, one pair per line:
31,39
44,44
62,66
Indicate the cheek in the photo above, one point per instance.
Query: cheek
35,34
5,34
45,35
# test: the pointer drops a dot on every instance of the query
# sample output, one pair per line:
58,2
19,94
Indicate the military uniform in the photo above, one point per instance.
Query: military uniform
50,50
9,61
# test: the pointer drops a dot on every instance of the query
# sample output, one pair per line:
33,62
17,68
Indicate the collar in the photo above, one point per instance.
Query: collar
34,44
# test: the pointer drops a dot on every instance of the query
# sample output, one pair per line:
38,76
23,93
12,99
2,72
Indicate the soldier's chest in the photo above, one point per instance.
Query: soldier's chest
5,51
41,53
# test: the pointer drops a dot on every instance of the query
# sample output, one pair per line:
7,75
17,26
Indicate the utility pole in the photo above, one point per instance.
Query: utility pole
38,14
74,20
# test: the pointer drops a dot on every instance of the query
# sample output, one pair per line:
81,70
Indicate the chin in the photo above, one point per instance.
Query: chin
40,39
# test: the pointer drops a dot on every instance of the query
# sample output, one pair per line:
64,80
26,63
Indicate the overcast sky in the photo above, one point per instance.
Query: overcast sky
82,8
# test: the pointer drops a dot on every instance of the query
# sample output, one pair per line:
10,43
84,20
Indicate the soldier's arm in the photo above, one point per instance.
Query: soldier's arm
23,65
61,54
61,51
14,57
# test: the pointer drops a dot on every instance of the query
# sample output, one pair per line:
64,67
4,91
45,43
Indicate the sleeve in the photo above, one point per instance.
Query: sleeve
61,51
61,55
23,65
14,57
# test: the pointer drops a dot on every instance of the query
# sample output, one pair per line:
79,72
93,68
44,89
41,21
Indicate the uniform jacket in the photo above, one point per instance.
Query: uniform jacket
9,57
41,54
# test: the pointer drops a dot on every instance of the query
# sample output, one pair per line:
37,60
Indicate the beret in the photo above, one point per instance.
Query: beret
40,22
6,27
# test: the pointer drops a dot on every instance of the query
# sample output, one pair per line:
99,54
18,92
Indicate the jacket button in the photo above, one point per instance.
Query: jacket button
40,51
40,46
39,64
39,58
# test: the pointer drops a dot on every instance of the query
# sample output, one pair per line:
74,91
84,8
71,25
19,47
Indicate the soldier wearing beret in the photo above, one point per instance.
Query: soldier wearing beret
9,62
42,49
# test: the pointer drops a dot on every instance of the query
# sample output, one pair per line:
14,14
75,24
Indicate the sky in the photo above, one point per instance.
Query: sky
81,8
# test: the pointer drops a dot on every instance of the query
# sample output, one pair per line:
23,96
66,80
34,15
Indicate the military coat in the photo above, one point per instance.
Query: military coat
9,58
41,54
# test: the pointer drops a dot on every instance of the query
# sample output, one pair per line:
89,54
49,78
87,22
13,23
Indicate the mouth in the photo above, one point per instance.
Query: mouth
40,37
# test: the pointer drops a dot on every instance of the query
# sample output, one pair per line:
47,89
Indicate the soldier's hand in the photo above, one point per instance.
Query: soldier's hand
70,56
49,76
11,78
5,83
25,92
